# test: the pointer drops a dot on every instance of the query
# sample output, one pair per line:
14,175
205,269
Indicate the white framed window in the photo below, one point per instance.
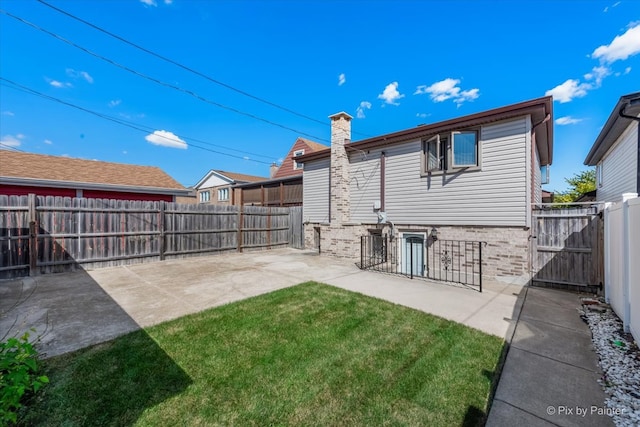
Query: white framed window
599,177
451,152
205,196
223,194
297,165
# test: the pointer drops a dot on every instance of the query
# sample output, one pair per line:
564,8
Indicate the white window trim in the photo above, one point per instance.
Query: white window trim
296,165
223,194
205,196
599,175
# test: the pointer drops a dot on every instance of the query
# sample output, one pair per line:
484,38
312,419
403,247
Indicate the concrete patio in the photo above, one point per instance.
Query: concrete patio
550,364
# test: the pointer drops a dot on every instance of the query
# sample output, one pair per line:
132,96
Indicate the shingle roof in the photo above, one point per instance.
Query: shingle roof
44,167
241,177
315,146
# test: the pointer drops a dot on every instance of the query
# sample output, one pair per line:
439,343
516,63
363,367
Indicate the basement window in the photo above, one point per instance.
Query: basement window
451,152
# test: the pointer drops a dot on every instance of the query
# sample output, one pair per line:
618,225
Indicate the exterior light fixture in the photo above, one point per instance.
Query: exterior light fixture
434,234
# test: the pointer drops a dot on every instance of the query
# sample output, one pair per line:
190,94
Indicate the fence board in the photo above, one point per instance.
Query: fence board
73,232
567,249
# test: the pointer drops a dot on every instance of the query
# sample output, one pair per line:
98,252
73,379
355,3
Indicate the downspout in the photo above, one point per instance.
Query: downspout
637,119
534,144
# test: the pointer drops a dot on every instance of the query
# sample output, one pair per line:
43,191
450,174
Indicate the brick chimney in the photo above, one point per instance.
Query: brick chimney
273,170
340,208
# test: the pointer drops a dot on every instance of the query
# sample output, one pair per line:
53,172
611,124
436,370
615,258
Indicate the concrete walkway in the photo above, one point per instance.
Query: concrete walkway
551,371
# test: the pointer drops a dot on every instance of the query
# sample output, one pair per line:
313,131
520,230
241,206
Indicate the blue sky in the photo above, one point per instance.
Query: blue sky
391,65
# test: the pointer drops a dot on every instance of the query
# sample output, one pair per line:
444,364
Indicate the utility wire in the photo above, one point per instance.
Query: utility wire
160,82
138,127
184,67
177,64
10,147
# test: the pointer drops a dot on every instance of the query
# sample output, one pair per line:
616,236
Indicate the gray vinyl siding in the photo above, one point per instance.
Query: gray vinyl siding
315,199
494,196
537,180
364,185
619,167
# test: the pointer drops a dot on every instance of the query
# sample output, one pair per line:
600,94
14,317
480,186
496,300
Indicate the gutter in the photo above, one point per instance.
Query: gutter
32,182
637,120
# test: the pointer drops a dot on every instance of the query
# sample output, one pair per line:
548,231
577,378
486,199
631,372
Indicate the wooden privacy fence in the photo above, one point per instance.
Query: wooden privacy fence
568,246
53,234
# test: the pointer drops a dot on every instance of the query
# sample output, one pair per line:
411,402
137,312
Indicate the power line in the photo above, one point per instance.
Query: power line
177,64
10,147
184,67
160,82
138,127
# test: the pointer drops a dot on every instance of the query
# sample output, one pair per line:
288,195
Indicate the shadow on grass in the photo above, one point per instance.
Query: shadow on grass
107,384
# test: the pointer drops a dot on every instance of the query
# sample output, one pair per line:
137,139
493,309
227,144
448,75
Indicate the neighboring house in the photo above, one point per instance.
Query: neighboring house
285,186
43,175
216,187
290,167
474,178
616,152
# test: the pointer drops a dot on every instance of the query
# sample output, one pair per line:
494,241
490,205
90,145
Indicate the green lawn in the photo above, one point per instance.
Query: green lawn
308,355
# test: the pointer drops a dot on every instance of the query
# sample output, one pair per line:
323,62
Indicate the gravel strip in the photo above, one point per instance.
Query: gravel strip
619,359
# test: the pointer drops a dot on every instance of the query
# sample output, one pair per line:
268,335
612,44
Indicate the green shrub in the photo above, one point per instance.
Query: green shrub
18,376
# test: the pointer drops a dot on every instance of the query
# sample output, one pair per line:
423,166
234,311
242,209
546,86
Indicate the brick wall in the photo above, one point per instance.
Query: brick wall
505,256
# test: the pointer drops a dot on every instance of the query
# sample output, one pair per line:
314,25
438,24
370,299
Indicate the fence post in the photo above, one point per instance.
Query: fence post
269,228
240,223
161,226
33,235
362,252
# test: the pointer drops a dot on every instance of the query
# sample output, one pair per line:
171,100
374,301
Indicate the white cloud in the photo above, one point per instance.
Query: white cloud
606,9
115,103
48,141
149,2
11,141
168,1
627,70
573,88
79,75
342,79
246,158
166,139
568,90
567,120
622,46
598,74
390,94
8,113
59,84
448,89
364,105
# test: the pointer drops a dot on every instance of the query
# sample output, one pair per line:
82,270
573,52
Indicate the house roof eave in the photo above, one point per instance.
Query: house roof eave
613,128
537,108
33,182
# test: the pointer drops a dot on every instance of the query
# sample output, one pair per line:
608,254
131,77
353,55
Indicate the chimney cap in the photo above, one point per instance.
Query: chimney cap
339,115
